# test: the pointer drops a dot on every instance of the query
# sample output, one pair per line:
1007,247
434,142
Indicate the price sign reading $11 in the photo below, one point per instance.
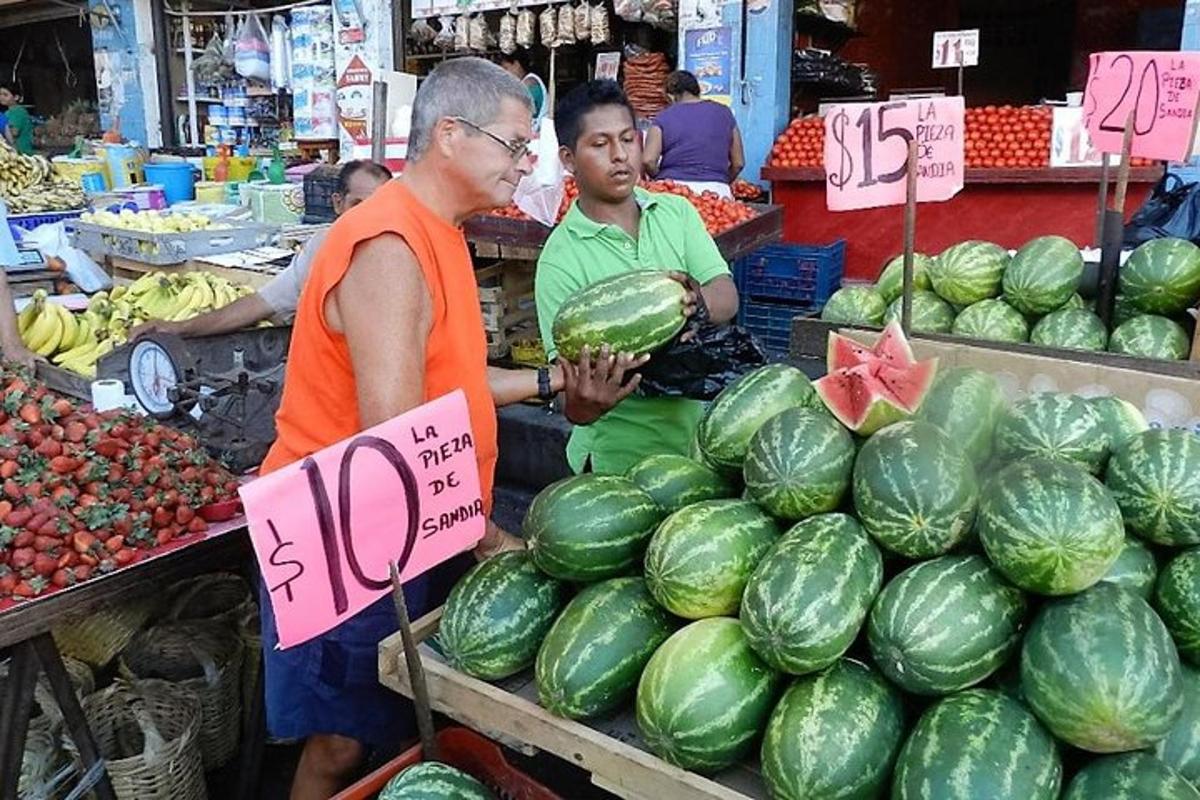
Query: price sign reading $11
325,528
1162,91
866,151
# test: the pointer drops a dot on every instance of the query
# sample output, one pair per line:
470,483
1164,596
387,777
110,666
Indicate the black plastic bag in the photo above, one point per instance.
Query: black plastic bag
1172,209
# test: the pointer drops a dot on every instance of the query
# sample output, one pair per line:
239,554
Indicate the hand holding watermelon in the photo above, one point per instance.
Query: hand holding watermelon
595,387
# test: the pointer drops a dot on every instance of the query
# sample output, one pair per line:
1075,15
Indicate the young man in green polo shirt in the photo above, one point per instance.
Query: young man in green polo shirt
18,124
615,227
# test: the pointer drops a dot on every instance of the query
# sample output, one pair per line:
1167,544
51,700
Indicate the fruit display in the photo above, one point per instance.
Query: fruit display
87,493
1042,275
676,481
152,221
746,191
991,320
28,184
799,464
634,312
802,144
855,304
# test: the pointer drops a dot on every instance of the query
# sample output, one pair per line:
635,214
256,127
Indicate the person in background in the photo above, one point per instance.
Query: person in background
694,141
517,65
18,126
12,347
612,228
357,181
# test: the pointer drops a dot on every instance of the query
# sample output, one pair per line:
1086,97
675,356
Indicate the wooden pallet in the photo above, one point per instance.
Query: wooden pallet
508,712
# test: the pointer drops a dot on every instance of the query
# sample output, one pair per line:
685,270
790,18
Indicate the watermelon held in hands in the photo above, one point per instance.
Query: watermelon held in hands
965,403
1162,276
930,313
634,312
855,305
1155,479
1129,776
1135,569
1149,336
799,464
1053,425
891,281
1072,328
968,272
433,780
1177,600
1181,749
676,481
991,320
1043,275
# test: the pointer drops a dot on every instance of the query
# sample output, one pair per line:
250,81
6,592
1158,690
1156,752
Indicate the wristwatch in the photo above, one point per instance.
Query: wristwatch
543,379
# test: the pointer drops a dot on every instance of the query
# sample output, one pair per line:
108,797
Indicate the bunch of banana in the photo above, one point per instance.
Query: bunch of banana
55,195
50,330
28,185
180,296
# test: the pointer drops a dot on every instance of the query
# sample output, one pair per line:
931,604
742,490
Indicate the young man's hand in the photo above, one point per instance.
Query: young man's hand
496,540
692,297
22,355
595,386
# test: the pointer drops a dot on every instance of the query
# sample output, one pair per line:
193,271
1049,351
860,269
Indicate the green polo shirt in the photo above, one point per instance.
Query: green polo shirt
579,252
22,127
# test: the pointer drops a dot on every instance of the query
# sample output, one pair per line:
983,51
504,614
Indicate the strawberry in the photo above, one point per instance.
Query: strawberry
62,578
22,557
8,582
124,556
44,565
184,515
18,517
68,559
162,517
83,572
61,407
164,536
197,525
62,465
49,448
75,431
109,448
24,538
8,469
44,544
114,543
13,490
84,542
31,413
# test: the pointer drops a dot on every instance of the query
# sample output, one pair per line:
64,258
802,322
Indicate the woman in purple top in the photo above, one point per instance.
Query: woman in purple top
694,141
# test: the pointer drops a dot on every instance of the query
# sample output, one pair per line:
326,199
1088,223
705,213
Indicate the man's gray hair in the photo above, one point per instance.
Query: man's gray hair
471,88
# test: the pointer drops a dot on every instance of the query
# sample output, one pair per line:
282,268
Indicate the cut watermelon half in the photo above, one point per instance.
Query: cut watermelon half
871,396
892,349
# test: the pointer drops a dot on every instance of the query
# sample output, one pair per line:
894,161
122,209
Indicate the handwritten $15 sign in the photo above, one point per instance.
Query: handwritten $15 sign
866,151
1160,89
325,528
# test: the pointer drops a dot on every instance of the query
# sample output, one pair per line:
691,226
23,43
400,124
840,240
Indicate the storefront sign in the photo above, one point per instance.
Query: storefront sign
955,49
324,529
708,54
1160,89
866,150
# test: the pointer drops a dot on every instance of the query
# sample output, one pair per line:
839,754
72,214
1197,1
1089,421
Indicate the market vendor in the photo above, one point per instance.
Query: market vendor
18,125
357,181
615,227
12,348
517,65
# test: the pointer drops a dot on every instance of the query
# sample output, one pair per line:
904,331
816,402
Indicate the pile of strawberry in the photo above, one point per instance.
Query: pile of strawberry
85,493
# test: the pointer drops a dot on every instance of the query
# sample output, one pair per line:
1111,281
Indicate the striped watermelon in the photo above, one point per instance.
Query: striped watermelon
805,603
799,464
701,556
591,659
1123,310
1053,425
496,616
675,481
1129,776
1120,419
891,280
968,272
590,527
944,625
1155,479
634,312
930,313
1148,336
991,320
1074,328
1177,600
1181,749
833,736
1049,527
432,780
1043,275
1135,569
966,404
974,745
1075,301
914,490
1099,669
855,305
1162,276
705,697
743,406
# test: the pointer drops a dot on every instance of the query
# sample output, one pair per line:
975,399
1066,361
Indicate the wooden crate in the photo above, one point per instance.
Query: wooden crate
506,302
508,712
132,270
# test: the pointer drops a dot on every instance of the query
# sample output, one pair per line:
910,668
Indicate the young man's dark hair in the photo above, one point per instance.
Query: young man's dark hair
681,82
570,111
351,168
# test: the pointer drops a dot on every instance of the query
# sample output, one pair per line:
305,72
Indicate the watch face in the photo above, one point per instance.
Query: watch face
153,374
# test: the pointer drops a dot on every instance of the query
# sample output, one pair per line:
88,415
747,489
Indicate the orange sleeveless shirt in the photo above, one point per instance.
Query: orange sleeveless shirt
319,405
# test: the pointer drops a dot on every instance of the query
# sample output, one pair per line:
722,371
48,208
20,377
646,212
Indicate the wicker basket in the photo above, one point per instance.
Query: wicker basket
146,732
82,679
250,628
220,597
41,761
97,637
204,658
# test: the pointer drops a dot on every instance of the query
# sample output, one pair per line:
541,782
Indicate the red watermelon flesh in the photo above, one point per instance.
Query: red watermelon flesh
891,348
868,397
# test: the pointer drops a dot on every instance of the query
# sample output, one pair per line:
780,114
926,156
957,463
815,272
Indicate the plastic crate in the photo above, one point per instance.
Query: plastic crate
28,222
319,186
771,323
796,272
466,750
161,249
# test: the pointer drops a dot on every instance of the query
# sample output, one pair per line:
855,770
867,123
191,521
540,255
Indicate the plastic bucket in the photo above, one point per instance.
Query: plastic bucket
177,180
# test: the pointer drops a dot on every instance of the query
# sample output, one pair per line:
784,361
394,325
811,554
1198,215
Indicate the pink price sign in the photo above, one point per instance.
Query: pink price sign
866,151
325,528
1160,89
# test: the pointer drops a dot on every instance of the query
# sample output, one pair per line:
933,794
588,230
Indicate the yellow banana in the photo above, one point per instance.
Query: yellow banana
76,353
208,297
118,292
70,327
50,344
42,327
26,317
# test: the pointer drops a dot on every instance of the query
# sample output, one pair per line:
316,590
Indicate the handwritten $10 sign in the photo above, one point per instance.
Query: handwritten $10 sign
325,528
866,150
1161,89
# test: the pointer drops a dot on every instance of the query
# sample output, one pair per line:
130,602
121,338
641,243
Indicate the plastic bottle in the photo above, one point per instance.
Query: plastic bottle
276,173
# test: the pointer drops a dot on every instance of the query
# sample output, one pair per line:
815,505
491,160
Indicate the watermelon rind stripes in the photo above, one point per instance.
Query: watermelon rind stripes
833,736
799,464
891,280
1180,750
1053,425
432,780
1155,479
701,556
676,481
743,406
965,404
1135,569
1162,276
497,614
705,697
1072,328
930,313
1177,600
1121,419
974,745
1049,527
991,320
945,624
855,305
806,602
1150,336
590,661
968,272
634,312
1129,776
590,527
1101,672
1076,301
1043,275
915,490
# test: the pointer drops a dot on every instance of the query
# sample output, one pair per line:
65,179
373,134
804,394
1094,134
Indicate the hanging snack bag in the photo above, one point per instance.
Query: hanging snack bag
601,27
462,34
566,25
445,35
548,24
583,22
526,22
508,33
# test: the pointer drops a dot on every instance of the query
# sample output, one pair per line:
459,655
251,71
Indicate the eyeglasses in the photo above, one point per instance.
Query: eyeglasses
518,148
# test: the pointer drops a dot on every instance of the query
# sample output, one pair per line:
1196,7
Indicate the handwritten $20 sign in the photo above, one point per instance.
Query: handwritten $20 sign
1161,89
866,150
325,528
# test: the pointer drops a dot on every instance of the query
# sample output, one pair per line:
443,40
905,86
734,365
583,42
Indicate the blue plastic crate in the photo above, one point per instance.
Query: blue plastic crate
28,222
795,272
771,323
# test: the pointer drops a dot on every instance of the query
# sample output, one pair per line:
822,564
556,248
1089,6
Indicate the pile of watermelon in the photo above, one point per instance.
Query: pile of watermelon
895,582
976,289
